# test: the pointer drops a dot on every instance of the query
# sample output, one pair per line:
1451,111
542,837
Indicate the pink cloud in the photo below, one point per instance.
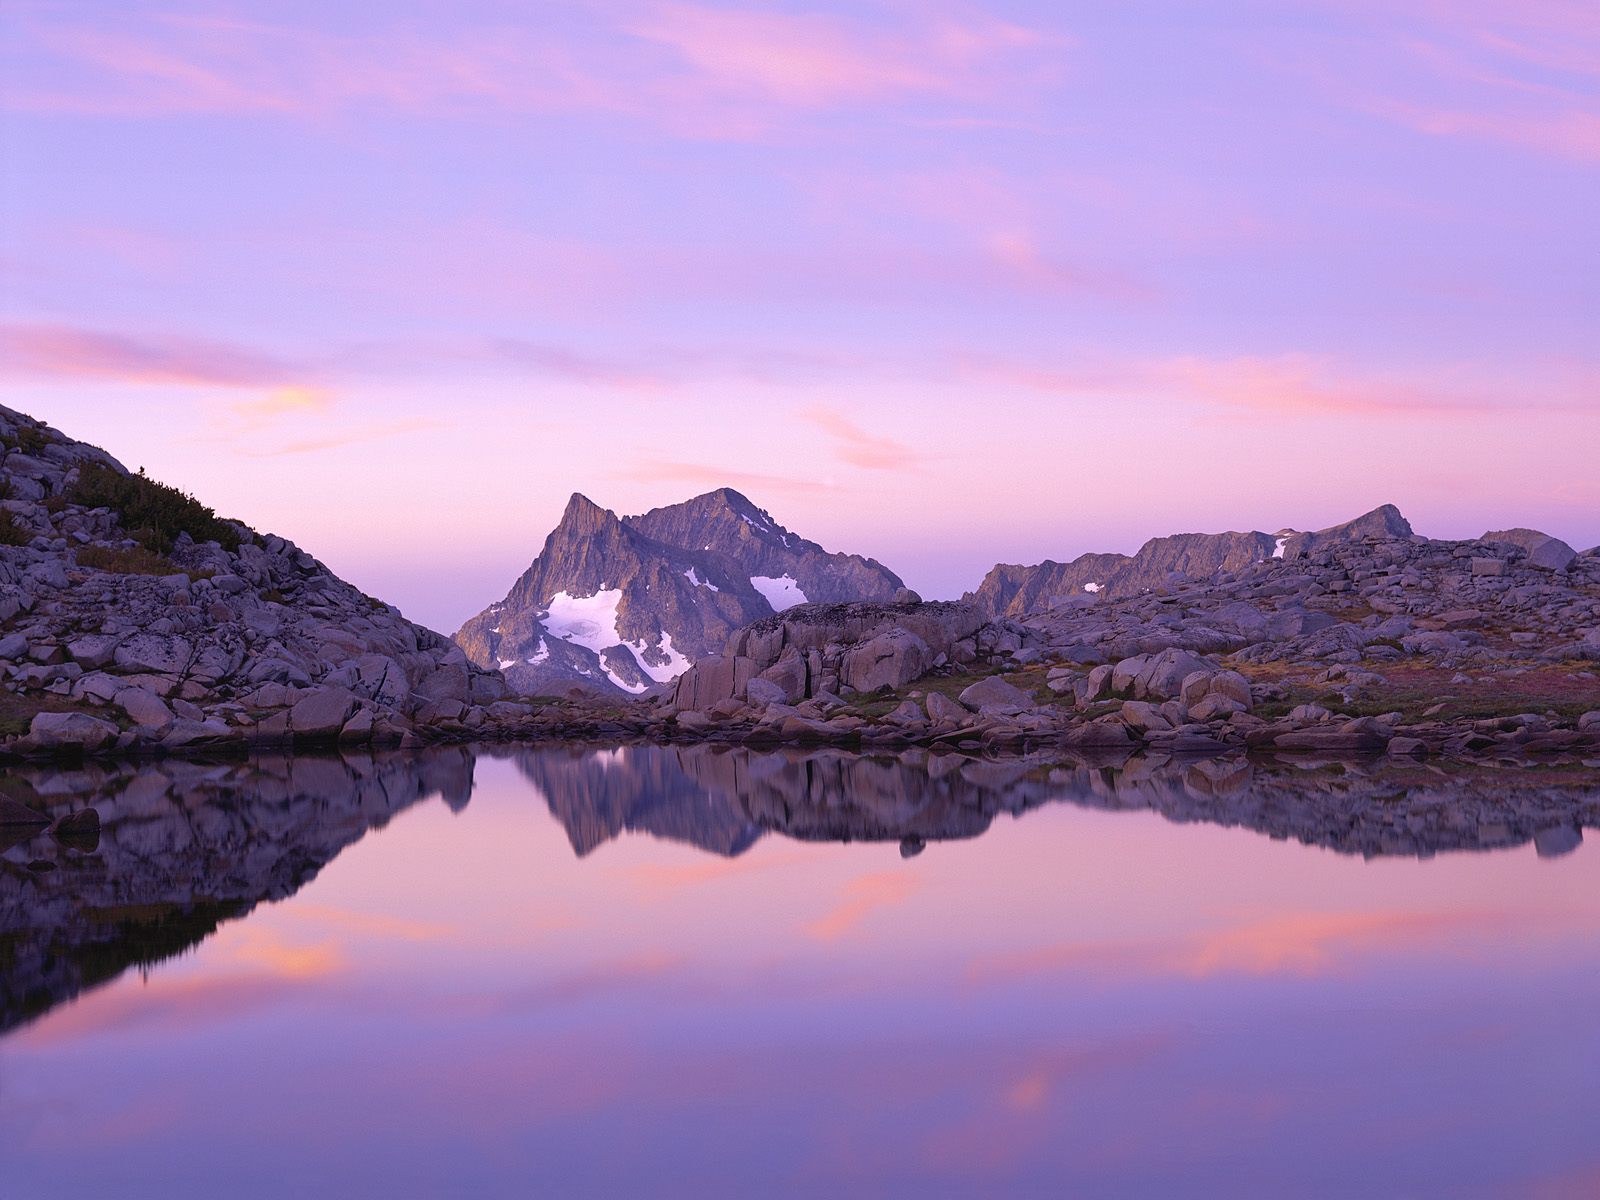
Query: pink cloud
1301,384
65,351
814,59
859,448
699,70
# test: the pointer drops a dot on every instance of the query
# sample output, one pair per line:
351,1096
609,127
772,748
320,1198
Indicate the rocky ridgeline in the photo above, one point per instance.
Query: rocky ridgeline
110,646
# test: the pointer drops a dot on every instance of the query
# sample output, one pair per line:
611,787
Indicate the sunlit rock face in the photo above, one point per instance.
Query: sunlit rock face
181,848
623,605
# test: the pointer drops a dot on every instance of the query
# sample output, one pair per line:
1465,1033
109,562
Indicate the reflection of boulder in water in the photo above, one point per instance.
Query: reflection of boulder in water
599,794
183,847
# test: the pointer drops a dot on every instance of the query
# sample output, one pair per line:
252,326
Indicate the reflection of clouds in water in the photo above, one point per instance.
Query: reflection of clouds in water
1304,945
862,897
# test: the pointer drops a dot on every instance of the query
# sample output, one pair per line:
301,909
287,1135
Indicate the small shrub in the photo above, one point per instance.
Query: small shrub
29,440
154,514
137,561
12,531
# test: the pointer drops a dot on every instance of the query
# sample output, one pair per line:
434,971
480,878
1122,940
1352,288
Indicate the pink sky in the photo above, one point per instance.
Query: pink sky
941,283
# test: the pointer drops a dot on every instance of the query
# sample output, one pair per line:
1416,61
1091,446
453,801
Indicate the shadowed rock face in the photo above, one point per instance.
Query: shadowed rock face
181,849
661,591
1014,591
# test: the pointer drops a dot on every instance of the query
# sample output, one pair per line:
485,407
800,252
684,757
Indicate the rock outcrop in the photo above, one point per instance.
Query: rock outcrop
1015,591
133,619
620,606
817,649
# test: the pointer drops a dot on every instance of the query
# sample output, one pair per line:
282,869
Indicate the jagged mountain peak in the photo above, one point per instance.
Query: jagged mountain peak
630,602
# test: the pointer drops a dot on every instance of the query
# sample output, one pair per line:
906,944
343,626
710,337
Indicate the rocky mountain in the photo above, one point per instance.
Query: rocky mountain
133,618
620,605
1014,591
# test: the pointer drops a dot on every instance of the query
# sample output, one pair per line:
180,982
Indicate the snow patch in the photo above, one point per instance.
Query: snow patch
698,582
587,621
675,665
1279,547
1093,587
507,663
782,592
540,653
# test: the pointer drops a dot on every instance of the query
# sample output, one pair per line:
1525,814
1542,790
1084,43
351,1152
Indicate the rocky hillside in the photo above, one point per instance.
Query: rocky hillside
132,618
1015,591
620,606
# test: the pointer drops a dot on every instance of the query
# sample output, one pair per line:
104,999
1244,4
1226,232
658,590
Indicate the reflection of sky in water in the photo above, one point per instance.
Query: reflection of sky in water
1075,1000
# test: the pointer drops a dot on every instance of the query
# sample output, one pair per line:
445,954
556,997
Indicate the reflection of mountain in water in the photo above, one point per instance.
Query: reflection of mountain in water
598,794
185,847
182,848
721,798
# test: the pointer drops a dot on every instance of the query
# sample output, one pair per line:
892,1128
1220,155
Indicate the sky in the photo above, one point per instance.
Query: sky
942,283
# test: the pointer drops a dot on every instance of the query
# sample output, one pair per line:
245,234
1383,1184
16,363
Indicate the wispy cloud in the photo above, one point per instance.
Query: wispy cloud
66,351
1518,75
859,448
697,69
1301,384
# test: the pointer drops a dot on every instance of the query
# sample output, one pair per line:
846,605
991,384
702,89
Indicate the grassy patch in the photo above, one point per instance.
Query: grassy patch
154,514
137,561
17,712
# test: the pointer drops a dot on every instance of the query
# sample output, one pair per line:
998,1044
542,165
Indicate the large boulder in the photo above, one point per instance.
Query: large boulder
321,713
892,659
72,731
144,707
995,694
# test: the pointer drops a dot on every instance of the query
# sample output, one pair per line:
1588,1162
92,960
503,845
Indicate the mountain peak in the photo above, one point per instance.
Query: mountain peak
582,515
1384,521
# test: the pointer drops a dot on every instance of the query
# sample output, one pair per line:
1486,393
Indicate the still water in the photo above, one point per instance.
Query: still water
703,972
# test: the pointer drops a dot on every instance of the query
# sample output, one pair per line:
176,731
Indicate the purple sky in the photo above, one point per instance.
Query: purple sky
942,283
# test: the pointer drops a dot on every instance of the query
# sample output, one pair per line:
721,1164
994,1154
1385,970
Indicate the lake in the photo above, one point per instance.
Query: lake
703,971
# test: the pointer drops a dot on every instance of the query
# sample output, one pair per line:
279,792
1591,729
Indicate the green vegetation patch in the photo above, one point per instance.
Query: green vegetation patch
154,514
136,561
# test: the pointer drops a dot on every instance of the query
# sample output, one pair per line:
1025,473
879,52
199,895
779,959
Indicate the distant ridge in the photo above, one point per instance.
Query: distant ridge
1013,590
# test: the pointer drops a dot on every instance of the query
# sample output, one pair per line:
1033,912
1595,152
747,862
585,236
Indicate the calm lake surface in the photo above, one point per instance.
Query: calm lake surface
701,972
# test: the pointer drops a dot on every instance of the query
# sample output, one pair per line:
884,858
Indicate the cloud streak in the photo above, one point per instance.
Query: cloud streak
860,448
695,69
